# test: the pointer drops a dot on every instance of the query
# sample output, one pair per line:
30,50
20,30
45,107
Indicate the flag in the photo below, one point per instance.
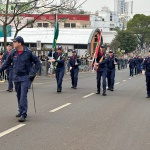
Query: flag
99,43
56,33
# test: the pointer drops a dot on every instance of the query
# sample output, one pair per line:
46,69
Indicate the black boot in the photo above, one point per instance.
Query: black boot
104,94
98,92
22,119
18,115
111,89
148,96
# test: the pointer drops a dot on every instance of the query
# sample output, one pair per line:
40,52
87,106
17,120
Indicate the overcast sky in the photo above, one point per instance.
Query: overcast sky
139,6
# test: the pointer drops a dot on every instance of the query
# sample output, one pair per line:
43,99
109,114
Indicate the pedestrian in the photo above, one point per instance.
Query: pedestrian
111,62
74,62
9,70
59,67
131,66
119,63
146,71
1,74
22,59
101,68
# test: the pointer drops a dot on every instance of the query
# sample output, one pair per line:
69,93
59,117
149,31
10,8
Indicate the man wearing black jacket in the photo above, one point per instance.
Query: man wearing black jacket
74,63
101,63
111,61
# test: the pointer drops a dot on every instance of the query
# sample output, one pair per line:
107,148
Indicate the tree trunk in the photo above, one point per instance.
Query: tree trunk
5,36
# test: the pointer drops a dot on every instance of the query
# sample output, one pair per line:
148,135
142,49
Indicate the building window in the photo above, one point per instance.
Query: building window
84,25
112,25
73,25
103,19
45,25
66,25
12,8
39,25
76,46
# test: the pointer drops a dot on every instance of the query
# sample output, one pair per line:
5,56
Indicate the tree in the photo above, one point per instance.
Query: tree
13,12
140,26
125,40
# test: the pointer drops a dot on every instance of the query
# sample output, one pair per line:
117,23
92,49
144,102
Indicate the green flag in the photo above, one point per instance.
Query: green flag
56,33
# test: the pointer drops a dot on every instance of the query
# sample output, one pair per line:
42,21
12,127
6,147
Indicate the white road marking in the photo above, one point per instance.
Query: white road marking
117,83
11,130
38,83
124,80
2,90
129,78
58,108
88,95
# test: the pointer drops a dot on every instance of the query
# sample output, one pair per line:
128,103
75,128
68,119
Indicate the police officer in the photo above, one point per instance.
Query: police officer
131,66
21,58
101,63
74,68
146,71
59,67
9,70
111,62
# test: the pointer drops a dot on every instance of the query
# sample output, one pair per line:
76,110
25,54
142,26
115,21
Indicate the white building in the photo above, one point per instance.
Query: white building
123,7
80,39
119,6
128,8
106,20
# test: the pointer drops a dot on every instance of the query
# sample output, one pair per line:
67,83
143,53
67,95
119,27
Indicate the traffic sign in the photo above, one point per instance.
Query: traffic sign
38,45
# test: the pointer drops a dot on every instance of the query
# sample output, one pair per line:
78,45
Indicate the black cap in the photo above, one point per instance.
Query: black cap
102,46
149,51
10,44
110,51
73,51
59,47
18,39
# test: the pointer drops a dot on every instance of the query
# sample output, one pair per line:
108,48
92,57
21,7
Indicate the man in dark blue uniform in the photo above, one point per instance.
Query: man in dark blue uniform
74,63
101,63
59,67
22,60
131,66
111,62
9,70
146,71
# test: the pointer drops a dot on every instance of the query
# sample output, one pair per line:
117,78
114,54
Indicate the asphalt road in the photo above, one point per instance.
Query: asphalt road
78,119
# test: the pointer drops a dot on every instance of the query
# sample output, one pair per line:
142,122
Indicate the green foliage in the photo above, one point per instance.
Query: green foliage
140,26
125,40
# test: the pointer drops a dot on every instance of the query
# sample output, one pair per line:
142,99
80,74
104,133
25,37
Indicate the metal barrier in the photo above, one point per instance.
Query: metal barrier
47,69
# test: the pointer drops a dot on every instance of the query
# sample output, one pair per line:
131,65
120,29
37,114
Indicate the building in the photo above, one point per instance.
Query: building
48,20
119,6
123,7
106,20
80,39
128,8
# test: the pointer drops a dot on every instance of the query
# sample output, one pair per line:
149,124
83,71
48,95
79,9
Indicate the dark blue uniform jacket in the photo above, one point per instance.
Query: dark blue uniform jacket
22,64
146,66
103,65
110,62
60,61
4,58
73,61
131,63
